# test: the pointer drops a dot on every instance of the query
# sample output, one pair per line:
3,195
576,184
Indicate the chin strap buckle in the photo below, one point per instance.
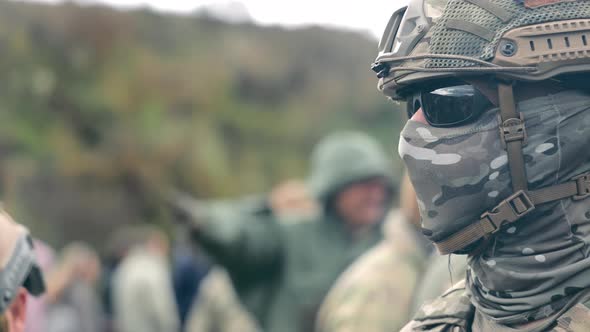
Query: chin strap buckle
509,210
513,129
583,184
512,209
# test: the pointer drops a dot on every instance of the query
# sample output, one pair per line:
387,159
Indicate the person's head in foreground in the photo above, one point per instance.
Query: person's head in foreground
19,274
497,144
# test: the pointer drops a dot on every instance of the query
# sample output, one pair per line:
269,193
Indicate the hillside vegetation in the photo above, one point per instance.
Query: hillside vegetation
99,108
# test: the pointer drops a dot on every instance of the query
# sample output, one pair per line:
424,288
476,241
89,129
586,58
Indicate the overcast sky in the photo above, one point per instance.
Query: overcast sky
371,15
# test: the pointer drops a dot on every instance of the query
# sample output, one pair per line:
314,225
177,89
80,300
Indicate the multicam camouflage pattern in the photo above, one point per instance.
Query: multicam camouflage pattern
475,29
376,292
441,274
453,312
218,309
538,265
577,319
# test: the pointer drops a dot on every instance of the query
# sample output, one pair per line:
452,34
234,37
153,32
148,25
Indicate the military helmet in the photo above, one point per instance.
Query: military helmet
18,264
529,40
433,43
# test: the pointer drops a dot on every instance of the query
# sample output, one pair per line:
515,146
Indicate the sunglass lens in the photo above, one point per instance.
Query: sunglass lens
453,106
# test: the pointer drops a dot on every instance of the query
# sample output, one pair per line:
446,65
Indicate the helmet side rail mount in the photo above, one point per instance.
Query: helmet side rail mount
530,53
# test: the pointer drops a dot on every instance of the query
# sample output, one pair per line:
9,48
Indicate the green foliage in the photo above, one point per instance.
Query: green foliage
99,109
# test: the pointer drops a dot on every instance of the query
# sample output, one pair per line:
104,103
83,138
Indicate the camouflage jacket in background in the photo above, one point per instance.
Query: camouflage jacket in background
441,274
453,312
218,309
375,293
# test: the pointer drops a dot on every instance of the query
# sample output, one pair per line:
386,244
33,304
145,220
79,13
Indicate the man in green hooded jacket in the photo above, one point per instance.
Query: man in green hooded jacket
282,271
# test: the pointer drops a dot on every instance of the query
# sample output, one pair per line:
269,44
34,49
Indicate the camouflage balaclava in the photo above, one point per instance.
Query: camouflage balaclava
540,264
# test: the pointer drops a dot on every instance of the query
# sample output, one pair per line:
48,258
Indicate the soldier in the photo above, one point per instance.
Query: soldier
19,274
496,150
282,270
376,292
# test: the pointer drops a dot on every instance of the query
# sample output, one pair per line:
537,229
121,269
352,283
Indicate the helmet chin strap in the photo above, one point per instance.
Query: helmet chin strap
523,201
513,135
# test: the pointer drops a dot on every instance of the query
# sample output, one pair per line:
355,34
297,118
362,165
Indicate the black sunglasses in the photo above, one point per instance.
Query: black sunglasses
449,106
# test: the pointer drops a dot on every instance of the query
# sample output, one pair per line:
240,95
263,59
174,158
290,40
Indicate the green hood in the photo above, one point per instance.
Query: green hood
344,158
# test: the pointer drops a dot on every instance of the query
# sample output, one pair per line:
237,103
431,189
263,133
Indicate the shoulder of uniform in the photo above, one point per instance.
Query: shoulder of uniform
576,319
452,311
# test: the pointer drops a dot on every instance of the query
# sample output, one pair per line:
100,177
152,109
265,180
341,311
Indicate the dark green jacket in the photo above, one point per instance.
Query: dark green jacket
282,271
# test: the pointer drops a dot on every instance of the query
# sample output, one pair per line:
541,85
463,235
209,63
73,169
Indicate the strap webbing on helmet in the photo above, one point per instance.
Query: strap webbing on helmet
512,209
493,9
470,27
513,134
523,201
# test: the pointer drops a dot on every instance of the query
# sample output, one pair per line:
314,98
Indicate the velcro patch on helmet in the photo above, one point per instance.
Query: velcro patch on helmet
541,3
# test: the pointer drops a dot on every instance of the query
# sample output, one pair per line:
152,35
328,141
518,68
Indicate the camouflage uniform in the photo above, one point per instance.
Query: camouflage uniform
496,150
375,293
442,272
521,274
453,312
218,309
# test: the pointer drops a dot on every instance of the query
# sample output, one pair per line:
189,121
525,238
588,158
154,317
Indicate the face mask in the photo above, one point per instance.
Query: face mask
459,173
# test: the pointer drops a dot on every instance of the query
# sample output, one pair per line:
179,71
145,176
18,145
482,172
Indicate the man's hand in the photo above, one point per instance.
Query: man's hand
292,197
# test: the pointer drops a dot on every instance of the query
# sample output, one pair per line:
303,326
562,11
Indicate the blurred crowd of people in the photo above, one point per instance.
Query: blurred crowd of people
341,251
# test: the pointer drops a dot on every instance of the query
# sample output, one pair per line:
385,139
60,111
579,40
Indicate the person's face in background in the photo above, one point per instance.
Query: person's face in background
158,243
92,270
363,203
82,263
15,316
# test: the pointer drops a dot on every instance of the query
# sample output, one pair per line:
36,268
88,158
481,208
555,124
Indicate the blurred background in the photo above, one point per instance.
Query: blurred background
106,105
101,104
